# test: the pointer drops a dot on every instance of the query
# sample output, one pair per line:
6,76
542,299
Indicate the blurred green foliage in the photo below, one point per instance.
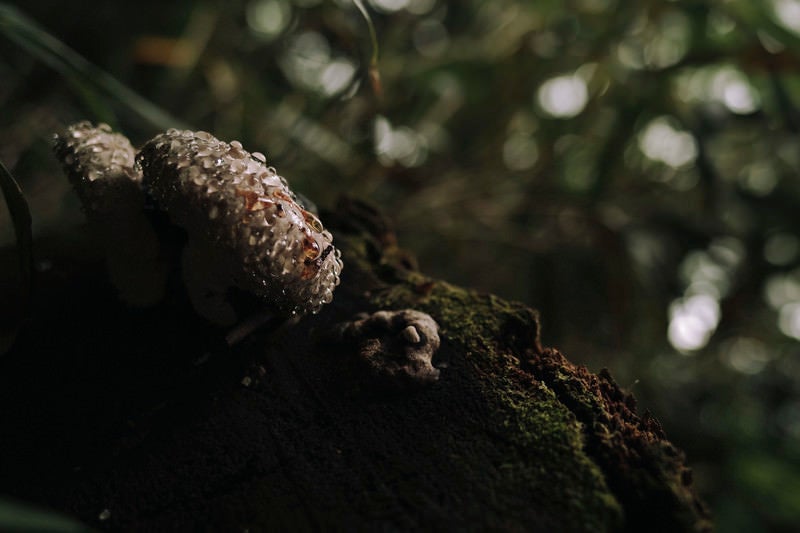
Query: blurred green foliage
15,516
629,168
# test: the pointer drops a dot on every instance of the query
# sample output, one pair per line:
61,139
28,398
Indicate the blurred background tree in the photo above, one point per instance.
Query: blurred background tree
631,169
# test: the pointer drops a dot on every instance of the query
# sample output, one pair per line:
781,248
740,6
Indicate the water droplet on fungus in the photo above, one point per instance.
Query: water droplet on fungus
259,238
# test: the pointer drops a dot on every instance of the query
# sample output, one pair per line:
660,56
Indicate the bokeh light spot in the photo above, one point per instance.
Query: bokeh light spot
781,248
781,289
732,88
563,96
268,18
789,320
758,178
692,321
722,84
389,6
745,355
402,144
661,141
337,75
520,152
669,42
430,38
420,7
787,13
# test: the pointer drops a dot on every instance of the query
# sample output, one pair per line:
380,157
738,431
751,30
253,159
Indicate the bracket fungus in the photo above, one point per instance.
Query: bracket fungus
245,227
395,348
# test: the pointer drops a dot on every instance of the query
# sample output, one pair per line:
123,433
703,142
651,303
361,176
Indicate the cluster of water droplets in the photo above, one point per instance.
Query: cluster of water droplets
221,193
99,164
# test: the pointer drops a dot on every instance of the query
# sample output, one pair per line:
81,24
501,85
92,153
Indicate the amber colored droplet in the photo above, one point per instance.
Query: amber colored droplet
311,248
313,222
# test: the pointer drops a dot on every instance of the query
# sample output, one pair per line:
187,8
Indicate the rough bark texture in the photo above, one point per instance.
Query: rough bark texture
148,415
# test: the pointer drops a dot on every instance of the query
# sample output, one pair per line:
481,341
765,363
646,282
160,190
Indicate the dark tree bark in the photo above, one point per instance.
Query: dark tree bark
146,420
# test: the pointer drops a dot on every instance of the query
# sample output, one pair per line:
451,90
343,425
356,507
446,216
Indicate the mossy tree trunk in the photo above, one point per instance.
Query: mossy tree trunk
146,420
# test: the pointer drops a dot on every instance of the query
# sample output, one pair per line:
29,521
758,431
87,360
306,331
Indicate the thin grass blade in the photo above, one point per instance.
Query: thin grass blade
42,45
21,219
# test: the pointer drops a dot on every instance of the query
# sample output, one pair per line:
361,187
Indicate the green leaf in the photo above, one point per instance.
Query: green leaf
76,69
21,219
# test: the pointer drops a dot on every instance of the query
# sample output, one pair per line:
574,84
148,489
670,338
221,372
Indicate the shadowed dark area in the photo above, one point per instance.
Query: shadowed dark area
161,424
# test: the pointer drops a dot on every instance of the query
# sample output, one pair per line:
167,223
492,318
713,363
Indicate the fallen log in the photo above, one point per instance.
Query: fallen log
146,419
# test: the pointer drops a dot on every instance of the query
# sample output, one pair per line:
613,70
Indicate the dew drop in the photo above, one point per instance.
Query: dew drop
195,176
238,167
311,248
